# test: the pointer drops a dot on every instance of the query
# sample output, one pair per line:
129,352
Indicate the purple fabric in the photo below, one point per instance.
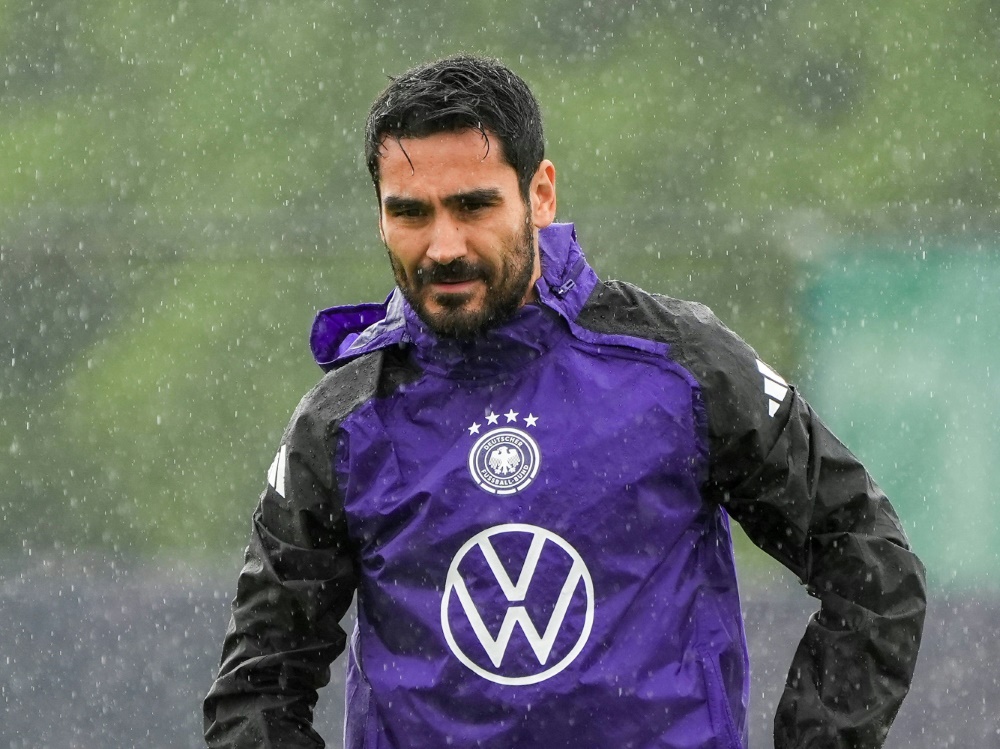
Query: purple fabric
537,565
334,330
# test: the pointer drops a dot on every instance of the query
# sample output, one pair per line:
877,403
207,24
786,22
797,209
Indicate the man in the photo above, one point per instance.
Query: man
526,475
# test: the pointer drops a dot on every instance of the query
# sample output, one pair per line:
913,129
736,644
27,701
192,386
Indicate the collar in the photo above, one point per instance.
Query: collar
346,332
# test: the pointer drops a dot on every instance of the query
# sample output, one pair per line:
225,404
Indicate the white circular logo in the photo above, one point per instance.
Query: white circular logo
522,628
504,461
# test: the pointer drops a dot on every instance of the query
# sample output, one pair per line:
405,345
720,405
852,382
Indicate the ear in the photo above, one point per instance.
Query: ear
542,194
381,231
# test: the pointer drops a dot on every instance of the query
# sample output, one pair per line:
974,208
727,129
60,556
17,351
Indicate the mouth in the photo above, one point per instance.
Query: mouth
458,286
455,278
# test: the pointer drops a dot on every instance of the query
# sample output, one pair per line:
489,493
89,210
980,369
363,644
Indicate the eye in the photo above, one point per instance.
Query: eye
473,205
406,211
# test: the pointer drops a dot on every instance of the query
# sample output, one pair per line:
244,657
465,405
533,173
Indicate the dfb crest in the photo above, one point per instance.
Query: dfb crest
505,460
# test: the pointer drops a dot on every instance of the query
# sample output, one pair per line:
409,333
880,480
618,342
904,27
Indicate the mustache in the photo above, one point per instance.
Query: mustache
454,272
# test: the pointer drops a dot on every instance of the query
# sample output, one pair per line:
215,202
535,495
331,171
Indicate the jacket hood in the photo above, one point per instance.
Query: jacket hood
345,332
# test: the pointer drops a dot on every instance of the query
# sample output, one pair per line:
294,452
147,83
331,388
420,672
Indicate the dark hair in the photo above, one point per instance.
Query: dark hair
458,93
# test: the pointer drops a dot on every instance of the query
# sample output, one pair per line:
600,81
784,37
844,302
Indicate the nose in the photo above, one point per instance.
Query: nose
447,241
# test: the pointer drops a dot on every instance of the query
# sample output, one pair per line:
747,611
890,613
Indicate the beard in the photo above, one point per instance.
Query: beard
454,316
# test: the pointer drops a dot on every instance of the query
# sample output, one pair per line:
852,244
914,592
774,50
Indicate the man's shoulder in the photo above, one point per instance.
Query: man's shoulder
697,339
619,307
342,389
349,385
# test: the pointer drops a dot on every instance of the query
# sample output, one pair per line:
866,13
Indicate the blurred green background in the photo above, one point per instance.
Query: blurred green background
181,187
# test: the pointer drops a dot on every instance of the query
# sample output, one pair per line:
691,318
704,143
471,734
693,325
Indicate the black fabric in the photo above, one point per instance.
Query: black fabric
802,497
297,582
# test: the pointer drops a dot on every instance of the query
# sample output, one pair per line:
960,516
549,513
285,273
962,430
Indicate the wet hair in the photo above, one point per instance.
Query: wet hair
459,93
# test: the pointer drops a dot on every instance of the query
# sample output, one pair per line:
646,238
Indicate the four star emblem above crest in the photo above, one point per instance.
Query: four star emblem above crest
493,419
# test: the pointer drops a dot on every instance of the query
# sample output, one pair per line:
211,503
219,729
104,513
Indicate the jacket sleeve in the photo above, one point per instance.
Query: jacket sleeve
802,497
297,582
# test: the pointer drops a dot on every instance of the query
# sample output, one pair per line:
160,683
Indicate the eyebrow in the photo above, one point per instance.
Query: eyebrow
396,204
491,195
481,195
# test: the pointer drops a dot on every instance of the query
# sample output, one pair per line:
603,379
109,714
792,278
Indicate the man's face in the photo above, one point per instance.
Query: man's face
462,242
